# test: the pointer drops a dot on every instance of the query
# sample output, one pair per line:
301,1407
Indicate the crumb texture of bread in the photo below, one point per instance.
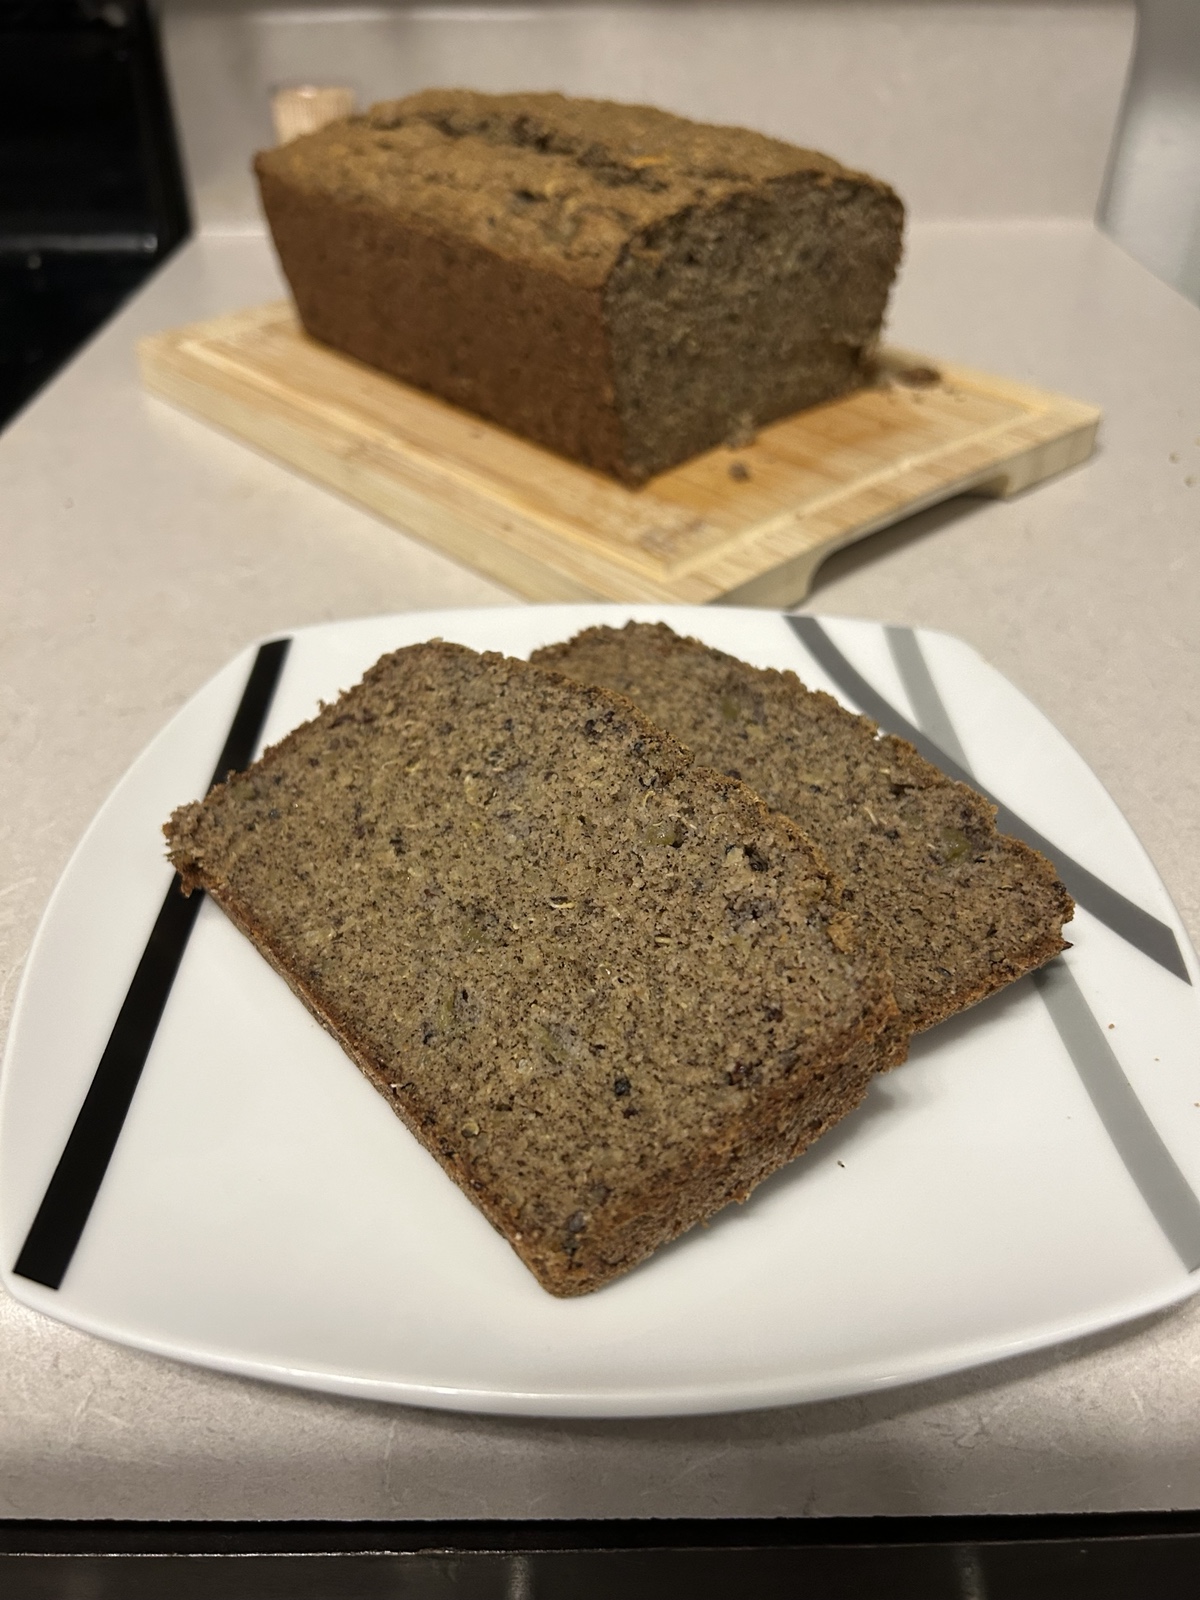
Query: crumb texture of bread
959,909
606,987
622,285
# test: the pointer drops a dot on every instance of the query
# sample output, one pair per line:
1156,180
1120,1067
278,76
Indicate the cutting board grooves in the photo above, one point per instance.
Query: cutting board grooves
749,525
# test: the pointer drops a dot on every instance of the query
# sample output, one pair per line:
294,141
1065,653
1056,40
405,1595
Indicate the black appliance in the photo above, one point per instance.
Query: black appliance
91,190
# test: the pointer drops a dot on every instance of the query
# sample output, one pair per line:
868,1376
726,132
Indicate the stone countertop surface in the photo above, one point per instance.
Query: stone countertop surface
141,549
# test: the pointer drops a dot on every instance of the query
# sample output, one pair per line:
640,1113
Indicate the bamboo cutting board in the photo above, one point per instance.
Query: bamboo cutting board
748,525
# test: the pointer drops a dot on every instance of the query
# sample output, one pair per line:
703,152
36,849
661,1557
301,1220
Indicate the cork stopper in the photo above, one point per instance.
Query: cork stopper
307,107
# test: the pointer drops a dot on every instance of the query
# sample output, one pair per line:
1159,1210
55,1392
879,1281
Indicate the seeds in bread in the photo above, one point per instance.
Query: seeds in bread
959,909
605,987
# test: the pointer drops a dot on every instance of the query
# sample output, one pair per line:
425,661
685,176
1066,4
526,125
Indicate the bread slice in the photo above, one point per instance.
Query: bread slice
606,988
959,909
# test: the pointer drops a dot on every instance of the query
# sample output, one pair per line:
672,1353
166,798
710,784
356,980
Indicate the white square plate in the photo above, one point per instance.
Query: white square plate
1029,1175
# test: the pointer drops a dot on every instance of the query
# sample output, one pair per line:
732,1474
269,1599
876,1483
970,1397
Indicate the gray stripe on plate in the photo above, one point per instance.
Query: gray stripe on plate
932,716
1126,919
1149,1163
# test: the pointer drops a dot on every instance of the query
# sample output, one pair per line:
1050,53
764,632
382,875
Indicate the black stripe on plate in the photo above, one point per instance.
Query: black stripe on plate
1138,927
71,1193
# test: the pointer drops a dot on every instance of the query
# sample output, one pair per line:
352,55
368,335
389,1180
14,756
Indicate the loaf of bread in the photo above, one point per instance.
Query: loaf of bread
959,909
621,285
605,987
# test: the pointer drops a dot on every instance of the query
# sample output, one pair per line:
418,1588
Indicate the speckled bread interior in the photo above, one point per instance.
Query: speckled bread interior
619,284
959,908
607,988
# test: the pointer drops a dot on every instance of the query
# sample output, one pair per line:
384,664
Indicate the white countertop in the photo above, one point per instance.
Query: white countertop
141,549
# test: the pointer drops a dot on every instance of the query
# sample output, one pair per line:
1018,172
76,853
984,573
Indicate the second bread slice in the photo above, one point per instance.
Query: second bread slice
959,908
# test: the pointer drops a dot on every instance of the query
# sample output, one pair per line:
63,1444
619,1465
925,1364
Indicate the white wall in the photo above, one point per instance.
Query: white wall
1152,206
971,108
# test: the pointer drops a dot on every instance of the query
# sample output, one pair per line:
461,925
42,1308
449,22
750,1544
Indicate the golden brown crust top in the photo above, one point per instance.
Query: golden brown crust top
557,182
